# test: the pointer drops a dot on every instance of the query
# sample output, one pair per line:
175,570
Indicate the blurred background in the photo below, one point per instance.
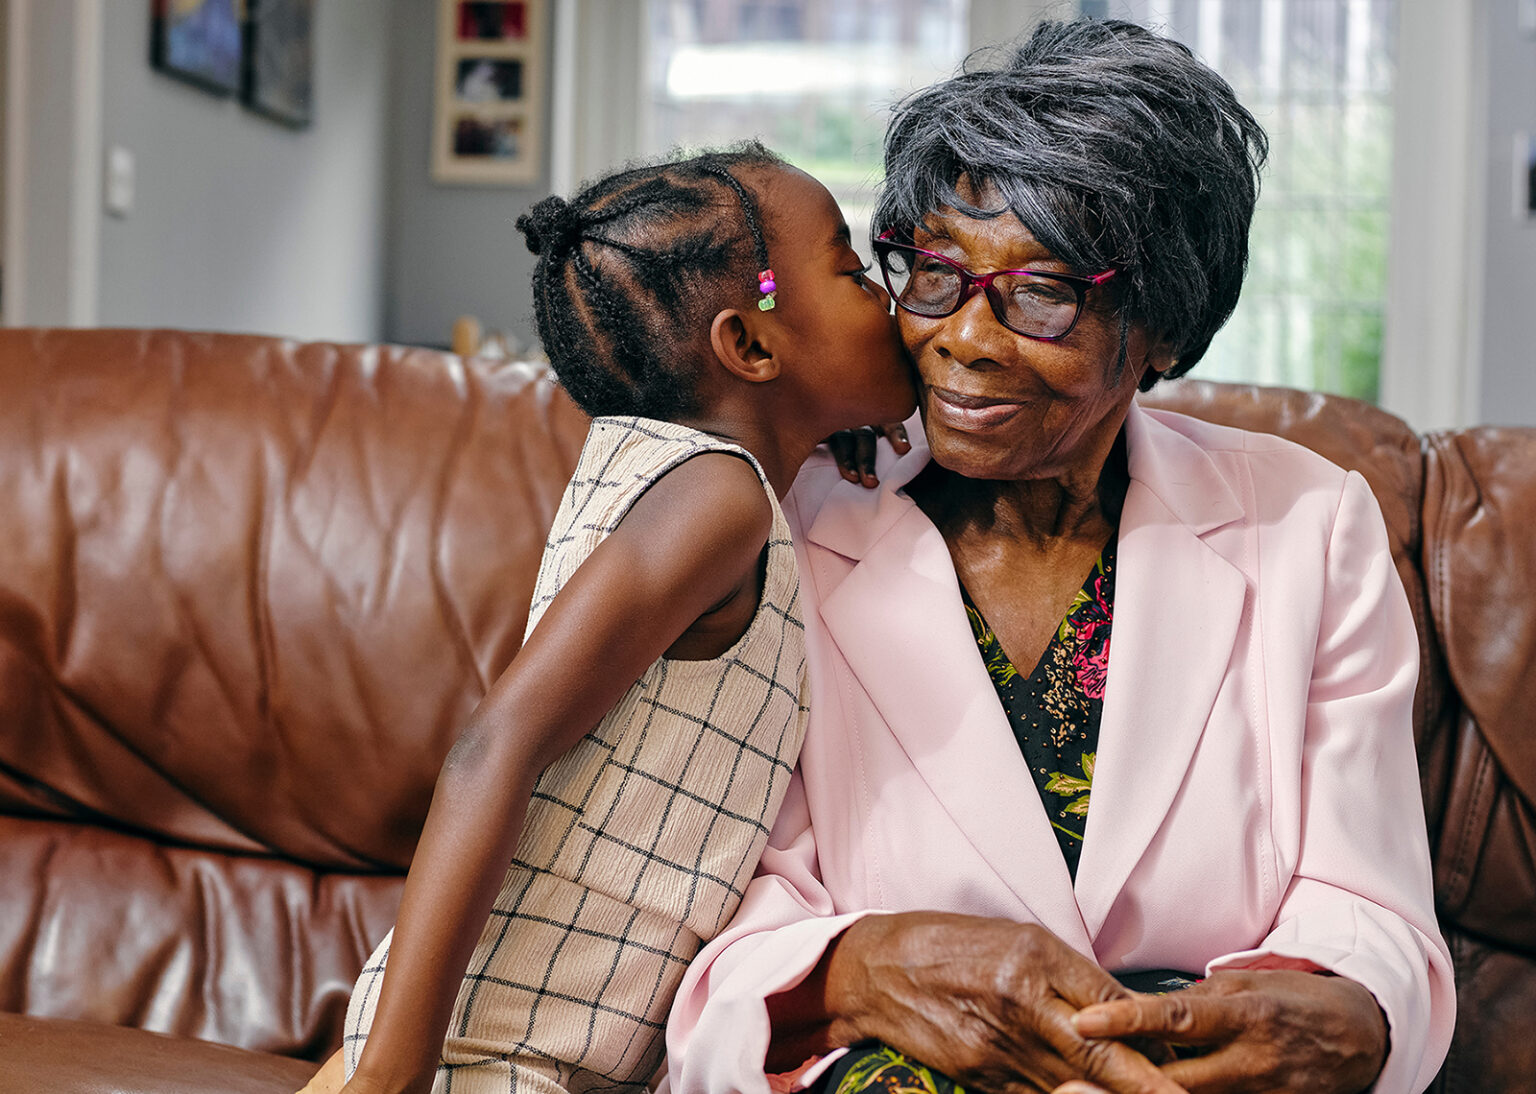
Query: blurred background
371,197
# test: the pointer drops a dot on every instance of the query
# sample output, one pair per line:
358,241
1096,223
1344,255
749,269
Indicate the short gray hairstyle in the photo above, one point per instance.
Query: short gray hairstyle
1116,148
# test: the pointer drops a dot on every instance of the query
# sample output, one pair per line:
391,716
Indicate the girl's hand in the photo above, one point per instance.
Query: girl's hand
1271,1030
988,1002
331,1077
361,1084
854,450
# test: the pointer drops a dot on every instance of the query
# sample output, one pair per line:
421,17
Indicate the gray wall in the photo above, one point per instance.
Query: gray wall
1508,383
453,250
241,224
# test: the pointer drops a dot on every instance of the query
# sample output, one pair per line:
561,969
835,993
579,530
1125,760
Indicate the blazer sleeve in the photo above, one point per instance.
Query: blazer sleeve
784,924
1360,902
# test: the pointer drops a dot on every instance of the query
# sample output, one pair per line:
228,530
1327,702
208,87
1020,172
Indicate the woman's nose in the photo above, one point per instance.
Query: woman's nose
971,332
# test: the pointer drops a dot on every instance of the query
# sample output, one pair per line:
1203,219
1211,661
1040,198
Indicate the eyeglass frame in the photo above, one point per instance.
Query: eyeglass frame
970,283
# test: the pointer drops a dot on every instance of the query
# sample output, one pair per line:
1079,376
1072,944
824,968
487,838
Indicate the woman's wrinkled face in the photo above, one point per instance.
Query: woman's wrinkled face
998,405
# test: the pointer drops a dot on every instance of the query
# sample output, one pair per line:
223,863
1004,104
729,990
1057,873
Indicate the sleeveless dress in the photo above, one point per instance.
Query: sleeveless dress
640,840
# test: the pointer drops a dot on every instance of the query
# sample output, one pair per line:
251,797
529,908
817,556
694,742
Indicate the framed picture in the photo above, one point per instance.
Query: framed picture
490,91
198,41
494,21
278,59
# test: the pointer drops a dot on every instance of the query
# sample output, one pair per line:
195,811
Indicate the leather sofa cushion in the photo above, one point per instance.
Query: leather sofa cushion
53,1056
239,949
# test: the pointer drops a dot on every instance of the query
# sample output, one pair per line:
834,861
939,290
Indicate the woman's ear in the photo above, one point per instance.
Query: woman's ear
1160,356
737,349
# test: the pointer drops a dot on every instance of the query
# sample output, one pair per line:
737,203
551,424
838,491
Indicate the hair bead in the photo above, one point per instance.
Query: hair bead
766,285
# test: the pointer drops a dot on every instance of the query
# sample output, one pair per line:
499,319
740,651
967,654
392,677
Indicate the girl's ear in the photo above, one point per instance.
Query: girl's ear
737,349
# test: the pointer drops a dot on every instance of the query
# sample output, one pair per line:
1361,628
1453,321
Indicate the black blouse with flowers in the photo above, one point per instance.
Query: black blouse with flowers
1056,709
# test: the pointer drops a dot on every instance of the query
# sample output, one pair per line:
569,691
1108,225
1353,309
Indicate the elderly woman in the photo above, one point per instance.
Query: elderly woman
1056,592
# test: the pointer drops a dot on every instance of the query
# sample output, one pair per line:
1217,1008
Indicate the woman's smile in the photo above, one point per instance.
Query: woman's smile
957,410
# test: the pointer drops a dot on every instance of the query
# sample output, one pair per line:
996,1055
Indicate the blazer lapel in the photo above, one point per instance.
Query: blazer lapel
898,620
1178,606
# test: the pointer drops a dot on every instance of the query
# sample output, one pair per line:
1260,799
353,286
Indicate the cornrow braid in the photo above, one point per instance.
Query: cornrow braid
749,210
632,271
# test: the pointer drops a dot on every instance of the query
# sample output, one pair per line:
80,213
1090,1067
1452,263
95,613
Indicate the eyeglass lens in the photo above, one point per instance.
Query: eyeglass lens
1033,304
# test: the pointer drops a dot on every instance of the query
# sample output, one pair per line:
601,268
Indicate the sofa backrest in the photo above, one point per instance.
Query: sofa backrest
251,587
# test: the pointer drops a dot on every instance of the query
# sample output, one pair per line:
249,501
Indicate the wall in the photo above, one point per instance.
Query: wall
454,250
239,223
1507,387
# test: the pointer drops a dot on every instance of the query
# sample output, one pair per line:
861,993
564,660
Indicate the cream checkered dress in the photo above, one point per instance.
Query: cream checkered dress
641,838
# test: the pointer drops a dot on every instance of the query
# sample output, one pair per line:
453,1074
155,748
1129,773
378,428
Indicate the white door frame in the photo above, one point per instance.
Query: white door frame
53,102
13,148
1431,360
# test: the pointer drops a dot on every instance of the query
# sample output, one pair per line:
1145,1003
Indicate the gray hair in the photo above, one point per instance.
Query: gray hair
1116,148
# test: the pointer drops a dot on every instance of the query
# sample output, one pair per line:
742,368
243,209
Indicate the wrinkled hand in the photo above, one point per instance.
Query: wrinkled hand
1268,1030
854,450
986,1001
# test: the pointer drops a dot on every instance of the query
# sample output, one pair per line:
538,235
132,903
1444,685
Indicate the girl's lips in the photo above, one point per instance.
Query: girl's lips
970,411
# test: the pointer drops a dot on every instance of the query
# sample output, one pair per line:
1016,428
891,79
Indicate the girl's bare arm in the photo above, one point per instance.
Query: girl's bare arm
688,544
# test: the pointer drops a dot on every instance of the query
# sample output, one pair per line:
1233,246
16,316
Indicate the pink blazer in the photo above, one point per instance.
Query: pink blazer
1256,797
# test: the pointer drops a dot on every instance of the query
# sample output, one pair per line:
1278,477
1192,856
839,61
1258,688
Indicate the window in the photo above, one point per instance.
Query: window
815,81
1318,75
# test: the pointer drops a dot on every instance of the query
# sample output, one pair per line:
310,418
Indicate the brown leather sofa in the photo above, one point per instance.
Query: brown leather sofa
249,588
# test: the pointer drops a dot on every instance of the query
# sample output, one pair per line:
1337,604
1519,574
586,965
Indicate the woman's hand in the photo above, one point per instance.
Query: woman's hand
988,1002
854,450
1269,1030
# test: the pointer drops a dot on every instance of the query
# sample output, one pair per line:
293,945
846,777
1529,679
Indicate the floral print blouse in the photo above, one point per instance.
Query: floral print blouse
1056,709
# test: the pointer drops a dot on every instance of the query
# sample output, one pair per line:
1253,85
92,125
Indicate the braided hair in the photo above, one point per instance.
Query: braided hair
632,271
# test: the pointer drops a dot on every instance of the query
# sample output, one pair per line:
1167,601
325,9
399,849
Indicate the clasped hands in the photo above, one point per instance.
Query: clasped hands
1003,1007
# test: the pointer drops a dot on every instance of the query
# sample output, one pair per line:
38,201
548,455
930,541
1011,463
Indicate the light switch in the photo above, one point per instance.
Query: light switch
119,181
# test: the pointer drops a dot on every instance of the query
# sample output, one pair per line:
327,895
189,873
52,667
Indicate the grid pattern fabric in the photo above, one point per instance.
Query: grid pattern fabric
640,839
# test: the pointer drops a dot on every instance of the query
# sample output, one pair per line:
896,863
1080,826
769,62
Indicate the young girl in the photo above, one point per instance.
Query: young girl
713,318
